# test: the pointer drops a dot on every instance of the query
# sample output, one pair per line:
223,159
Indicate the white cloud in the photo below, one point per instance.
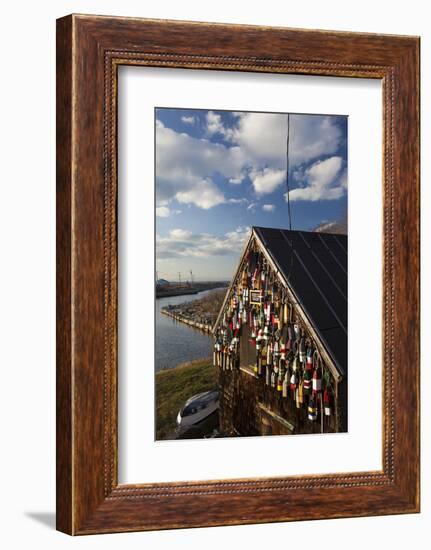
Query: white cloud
263,137
185,166
236,181
215,126
332,227
188,119
162,211
205,194
214,123
268,207
323,180
266,180
184,244
180,234
165,212
238,201
312,137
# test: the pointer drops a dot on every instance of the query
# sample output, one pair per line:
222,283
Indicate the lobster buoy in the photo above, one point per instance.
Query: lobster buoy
259,339
244,278
256,366
299,395
312,410
317,380
254,277
257,284
301,347
260,366
285,384
268,312
309,359
293,381
269,354
276,349
273,384
282,351
307,381
290,337
285,313
280,379
267,376
327,402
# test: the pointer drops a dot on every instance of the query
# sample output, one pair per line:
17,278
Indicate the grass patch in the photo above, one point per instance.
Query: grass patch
175,386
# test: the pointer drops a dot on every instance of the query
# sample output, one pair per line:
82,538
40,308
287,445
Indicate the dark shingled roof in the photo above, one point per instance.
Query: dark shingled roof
317,275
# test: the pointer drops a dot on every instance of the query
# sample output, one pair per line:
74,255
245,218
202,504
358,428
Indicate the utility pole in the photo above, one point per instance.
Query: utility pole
191,277
179,279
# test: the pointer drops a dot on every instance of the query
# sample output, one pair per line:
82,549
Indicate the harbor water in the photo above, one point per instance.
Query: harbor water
176,342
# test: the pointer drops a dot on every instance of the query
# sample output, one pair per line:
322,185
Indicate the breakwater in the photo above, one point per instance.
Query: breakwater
202,326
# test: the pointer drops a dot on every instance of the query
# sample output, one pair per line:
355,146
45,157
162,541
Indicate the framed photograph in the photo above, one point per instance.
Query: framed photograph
237,274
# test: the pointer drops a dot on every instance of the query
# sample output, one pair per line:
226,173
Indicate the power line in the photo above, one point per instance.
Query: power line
288,196
287,172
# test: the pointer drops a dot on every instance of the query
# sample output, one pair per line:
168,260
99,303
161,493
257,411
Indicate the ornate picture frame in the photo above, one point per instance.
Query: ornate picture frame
89,51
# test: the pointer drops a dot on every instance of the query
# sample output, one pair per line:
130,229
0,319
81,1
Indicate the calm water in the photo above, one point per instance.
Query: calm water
175,342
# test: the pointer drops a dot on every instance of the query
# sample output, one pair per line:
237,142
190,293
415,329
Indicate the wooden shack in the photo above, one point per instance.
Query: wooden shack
280,339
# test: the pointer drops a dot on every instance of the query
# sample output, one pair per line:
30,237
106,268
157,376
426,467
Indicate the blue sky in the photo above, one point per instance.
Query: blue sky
218,173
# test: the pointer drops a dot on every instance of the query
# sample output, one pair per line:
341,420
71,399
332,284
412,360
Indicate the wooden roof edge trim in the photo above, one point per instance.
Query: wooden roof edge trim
335,370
